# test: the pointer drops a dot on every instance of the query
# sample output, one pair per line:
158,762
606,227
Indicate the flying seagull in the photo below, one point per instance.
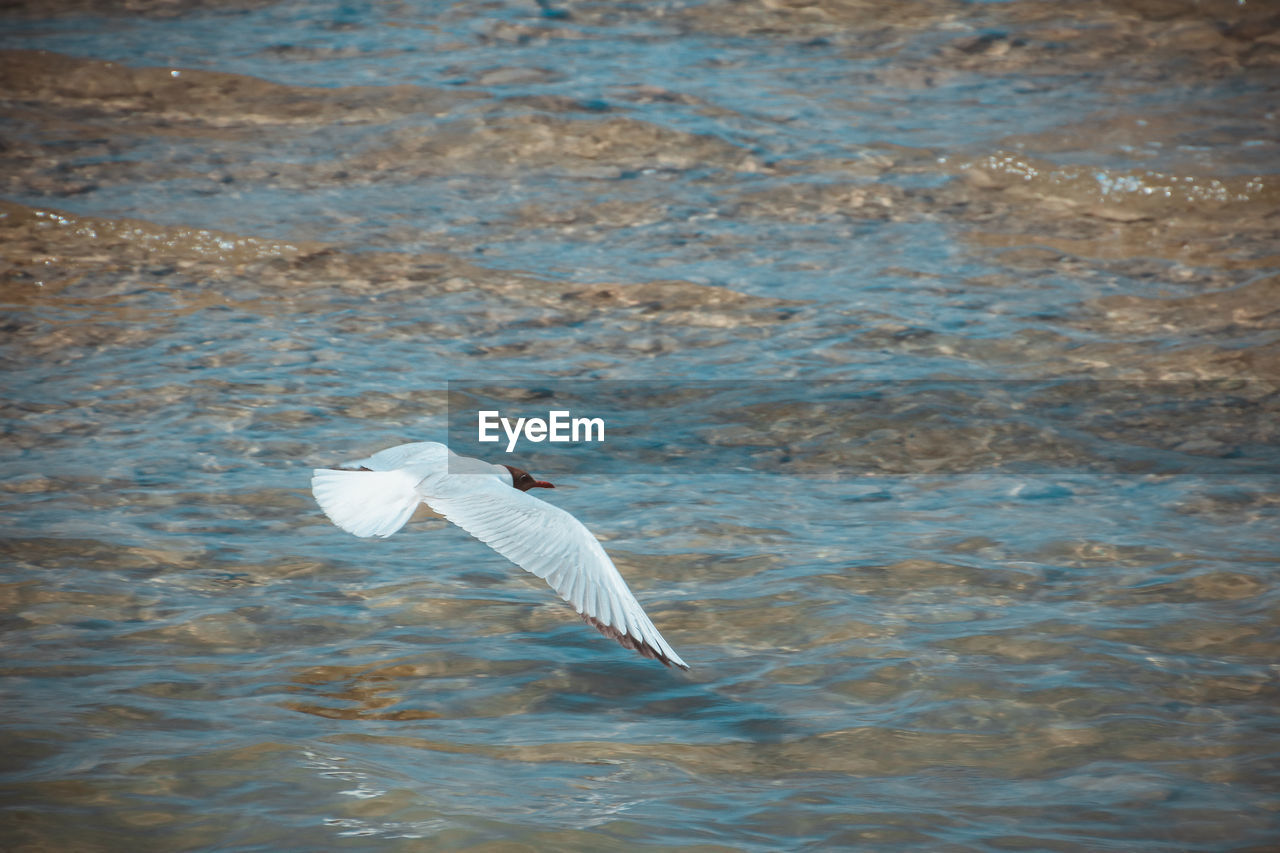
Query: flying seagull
376,496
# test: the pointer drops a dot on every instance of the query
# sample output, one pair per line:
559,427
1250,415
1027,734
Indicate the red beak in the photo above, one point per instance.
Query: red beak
542,484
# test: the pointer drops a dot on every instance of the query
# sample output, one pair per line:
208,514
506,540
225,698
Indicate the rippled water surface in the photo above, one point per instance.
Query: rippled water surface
953,474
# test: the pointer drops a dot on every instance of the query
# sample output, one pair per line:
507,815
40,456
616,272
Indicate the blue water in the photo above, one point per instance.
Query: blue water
970,541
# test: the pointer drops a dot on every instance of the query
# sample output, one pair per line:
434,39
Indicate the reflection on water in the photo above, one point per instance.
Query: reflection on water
953,475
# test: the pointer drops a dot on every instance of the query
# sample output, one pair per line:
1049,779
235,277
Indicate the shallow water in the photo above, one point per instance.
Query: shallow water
954,473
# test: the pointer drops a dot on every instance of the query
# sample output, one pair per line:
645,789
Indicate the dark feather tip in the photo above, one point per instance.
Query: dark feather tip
629,642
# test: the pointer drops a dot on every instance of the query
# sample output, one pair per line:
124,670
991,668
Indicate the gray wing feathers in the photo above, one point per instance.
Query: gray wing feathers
549,543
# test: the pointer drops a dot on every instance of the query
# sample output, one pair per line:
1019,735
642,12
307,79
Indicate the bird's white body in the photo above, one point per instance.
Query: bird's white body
376,496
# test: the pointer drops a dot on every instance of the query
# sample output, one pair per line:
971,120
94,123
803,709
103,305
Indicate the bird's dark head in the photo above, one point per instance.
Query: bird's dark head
524,481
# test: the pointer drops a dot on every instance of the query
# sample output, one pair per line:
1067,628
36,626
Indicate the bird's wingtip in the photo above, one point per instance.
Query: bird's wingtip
629,642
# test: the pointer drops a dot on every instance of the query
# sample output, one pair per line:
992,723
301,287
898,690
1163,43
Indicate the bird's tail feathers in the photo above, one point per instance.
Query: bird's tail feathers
365,503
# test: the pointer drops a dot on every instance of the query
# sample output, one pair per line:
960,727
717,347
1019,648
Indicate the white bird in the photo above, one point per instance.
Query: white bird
376,496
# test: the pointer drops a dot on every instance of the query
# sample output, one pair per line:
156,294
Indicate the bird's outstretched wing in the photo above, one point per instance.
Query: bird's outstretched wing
548,542
364,502
377,495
